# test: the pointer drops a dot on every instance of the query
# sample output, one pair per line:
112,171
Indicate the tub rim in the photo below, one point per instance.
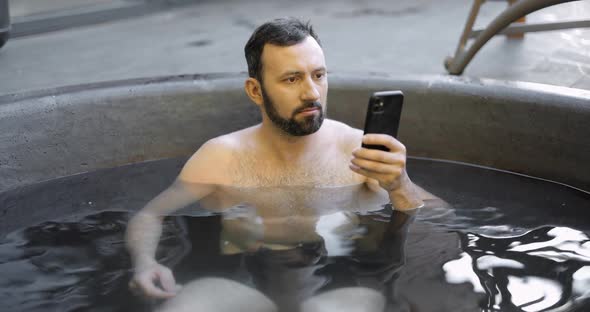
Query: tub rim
344,76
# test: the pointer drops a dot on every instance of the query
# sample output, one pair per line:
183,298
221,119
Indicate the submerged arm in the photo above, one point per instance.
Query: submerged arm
145,228
196,180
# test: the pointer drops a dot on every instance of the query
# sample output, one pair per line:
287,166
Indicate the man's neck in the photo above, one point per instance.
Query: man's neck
288,148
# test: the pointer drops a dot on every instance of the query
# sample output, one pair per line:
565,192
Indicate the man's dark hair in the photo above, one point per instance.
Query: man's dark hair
282,32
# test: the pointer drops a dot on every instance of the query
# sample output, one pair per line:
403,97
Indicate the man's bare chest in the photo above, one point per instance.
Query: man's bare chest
327,170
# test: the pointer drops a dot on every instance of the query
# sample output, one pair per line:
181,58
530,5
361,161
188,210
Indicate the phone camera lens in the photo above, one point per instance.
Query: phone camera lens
378,106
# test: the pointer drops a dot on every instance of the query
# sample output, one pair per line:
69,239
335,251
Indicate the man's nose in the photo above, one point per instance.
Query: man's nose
310,91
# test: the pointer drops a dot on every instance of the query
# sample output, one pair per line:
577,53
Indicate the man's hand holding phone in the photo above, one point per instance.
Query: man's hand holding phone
382,157
387,167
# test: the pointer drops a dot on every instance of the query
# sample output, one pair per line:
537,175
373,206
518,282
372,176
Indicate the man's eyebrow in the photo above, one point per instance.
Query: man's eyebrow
299,73
292,73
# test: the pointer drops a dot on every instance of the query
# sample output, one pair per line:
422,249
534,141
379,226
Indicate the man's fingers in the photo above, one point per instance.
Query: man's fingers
378,155
386,140
152,291
146,285
374,166
167,280
366,173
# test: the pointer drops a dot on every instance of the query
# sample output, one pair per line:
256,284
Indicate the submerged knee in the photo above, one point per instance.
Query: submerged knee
217,294
349,299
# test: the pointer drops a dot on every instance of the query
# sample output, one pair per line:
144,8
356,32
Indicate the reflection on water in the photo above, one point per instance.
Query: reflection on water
546,268
505,243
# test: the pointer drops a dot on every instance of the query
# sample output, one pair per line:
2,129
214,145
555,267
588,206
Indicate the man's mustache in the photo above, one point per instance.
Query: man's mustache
308,105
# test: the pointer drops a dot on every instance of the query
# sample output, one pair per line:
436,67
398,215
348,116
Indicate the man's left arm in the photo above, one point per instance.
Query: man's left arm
388,168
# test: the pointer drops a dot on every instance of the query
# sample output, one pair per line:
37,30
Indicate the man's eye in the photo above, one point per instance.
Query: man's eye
320,75
291,79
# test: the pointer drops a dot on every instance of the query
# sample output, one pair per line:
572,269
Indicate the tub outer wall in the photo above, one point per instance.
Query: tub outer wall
533,129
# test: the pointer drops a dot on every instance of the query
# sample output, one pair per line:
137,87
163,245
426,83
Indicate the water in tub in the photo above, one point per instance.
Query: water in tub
498,242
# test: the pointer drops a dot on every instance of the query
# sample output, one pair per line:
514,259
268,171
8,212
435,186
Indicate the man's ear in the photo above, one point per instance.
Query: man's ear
253,90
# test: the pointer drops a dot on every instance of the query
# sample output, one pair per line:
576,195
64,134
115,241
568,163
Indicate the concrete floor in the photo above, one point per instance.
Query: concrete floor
403,37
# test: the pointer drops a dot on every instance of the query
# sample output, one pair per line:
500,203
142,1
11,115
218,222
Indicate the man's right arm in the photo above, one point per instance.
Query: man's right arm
196,180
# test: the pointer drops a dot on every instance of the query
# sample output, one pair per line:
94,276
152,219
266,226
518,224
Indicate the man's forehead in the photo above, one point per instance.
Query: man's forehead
304,55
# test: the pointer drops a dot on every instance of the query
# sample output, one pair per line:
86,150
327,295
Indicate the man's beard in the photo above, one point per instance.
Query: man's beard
308,125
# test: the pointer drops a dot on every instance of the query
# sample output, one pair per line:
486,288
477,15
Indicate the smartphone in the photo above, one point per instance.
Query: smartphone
383,115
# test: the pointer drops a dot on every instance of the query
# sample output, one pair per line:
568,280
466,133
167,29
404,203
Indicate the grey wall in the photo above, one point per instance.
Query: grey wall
528,128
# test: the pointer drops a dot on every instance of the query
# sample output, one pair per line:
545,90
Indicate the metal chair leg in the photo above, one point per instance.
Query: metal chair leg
456,64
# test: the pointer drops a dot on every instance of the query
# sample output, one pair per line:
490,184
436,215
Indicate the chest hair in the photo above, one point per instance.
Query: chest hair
252,170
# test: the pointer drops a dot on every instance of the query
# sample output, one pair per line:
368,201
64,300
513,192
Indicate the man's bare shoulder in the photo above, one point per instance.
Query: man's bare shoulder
348,136
209,163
